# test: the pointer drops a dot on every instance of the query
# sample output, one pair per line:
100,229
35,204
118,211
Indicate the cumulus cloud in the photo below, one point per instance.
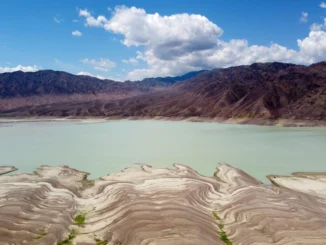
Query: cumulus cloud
232,53
183,32
323,5
19,68
180,43
304,17
77,33
131,61
314,46
90,20
100,65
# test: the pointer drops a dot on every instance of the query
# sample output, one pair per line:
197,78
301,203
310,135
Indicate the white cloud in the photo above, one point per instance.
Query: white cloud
100,65
314,46
131,61
19,68
232,53
323,5
180,43
76,21
77,33
90,20
318,26
85,73
57,19
304,17
183,31
84,12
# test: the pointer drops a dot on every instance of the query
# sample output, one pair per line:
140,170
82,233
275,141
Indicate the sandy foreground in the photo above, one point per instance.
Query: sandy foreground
249,121
145,205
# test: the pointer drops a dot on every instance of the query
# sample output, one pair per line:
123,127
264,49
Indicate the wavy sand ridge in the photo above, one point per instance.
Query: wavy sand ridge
38,208
150,206
6,169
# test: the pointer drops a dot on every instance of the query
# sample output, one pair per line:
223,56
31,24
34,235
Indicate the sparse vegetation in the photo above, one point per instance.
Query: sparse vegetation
100,242
42,234
68,240
222,234
80,219
87,183
224,237
216,216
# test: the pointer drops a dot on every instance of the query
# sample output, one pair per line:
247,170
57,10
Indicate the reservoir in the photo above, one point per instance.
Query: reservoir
103,148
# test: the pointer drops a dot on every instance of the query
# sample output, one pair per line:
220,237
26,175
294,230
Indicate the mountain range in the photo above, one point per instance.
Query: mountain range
261,90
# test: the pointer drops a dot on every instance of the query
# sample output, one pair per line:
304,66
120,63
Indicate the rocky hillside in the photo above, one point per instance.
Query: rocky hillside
46,87
261,90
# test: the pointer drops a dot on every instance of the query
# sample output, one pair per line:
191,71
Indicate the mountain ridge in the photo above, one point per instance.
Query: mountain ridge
272,90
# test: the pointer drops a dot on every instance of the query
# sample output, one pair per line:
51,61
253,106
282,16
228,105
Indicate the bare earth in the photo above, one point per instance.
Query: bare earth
161,206
6,169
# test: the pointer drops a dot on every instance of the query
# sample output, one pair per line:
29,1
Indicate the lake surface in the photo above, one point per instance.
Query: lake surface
103,148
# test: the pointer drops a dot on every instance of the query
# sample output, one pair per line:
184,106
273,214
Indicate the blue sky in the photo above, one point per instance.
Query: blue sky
133,43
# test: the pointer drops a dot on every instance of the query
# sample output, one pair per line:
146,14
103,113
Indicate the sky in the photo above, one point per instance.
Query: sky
132,40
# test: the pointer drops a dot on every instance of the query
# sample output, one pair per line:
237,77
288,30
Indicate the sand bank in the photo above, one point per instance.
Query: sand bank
161,206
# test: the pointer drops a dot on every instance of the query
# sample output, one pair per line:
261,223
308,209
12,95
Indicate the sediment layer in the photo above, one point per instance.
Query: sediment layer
6,169
59,205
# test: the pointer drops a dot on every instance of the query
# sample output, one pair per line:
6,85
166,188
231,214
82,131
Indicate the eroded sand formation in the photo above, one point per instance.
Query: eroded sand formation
6,169
147,206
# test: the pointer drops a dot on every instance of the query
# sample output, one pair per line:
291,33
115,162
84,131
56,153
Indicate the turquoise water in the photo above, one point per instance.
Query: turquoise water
108,147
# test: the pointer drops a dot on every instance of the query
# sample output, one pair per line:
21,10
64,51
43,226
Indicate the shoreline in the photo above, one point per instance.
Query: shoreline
312,180
241,121
7,169
161,203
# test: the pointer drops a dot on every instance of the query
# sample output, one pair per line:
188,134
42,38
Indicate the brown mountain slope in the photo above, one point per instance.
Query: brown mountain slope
19,89
261,90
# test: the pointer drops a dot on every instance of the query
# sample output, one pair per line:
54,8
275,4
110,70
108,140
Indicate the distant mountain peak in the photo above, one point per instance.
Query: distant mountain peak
261,90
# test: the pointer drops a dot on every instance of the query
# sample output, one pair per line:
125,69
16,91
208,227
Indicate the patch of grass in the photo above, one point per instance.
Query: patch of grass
216,216
100,242
87,184
224,237
68,240
80,219
222,234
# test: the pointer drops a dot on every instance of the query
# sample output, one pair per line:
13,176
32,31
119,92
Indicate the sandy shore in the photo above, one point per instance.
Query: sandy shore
247,121
59,205
52,119
6,169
